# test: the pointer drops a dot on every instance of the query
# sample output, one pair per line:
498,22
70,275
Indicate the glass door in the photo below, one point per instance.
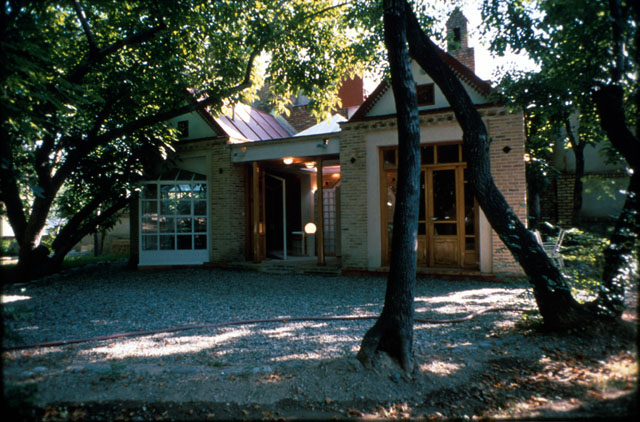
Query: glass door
442,220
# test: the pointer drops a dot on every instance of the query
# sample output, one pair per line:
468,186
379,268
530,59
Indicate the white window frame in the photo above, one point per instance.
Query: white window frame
167,223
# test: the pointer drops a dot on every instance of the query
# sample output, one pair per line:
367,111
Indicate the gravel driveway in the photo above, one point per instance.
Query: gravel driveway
234,363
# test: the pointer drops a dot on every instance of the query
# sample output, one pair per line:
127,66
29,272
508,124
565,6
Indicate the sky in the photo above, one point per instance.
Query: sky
486,65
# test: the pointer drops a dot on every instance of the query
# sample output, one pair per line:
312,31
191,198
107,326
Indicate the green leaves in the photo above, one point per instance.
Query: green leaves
84,92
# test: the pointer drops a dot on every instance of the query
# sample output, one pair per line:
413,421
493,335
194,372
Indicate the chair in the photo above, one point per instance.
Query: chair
553,248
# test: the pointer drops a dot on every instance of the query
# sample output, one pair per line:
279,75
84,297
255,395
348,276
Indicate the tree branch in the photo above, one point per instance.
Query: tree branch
326,9
81,225
83,68
609,104
85,146
93,45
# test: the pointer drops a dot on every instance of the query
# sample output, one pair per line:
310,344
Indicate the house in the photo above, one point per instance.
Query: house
246,188
603,189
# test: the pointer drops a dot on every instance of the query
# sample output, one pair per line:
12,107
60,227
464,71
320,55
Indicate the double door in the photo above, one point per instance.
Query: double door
447,222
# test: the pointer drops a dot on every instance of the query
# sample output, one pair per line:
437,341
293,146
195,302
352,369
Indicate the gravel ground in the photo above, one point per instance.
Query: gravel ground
260,363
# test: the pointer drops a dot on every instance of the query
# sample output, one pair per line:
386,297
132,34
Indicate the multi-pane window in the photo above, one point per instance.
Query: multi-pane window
174,215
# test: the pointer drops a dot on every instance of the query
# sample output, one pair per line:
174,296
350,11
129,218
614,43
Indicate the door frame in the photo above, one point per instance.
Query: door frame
465,259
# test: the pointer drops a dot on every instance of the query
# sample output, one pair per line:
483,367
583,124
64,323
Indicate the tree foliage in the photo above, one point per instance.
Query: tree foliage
88,86
572,42
588,56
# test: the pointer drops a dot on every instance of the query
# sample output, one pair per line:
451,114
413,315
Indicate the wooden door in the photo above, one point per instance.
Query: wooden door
443,216
258,214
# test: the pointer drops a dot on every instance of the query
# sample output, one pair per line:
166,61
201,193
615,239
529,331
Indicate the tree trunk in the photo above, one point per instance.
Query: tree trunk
622,251
553,297
393,331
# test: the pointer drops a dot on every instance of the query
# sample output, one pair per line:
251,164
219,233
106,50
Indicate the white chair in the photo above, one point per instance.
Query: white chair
553,248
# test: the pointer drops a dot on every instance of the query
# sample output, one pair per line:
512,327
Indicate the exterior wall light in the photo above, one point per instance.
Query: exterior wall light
287,160
310,228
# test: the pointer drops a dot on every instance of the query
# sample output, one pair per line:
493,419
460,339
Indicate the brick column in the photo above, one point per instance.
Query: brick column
353,199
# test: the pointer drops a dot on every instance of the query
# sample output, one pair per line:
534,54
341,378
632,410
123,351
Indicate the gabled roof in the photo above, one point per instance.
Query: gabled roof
463,72
251,124
245,123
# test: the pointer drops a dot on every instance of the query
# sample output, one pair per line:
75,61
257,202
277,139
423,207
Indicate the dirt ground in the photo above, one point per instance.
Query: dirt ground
588,374
522,372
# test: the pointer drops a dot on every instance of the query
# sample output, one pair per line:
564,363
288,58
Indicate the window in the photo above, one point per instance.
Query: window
183,128
425,94
174,216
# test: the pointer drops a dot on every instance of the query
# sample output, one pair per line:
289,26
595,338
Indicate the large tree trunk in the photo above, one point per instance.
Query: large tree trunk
393,331
555,302
622,251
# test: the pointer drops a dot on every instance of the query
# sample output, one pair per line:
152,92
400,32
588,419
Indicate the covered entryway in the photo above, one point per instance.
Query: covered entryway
448,217
288,205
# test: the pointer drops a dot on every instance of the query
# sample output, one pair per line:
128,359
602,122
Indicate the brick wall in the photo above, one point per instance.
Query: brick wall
300,118
353,199
507,167
465,56
564,199
226,193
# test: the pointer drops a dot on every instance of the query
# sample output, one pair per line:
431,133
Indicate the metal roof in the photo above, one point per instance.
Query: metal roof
251,124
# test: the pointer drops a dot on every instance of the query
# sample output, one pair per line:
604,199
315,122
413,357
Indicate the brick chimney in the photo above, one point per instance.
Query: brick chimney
458,40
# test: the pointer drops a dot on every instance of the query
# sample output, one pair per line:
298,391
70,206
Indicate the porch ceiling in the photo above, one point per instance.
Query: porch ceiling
313,146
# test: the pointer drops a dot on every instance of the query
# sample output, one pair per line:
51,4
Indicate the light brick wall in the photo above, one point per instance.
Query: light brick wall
353,199
227,207
506,132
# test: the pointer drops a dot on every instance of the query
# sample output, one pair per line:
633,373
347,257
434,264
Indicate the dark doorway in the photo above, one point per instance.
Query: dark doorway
279,211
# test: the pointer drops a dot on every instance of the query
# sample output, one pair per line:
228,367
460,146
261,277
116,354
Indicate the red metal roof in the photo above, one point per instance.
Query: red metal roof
251,124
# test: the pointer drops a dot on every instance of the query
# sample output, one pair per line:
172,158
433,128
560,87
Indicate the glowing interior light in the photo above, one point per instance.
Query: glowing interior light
310,228
287,160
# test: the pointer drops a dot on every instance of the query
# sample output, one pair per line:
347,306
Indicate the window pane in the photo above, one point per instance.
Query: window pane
422,228
184,225
184,191
445,229
168,207
184,242
469,211
425,94
167,242
389,157
167,191
426,155
199,207
199,190
444,195
200,241
150,243
149,207
149,191
184,207
448,154
149,224
200,224
166,225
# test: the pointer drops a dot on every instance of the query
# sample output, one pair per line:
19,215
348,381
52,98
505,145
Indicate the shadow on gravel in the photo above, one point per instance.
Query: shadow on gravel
495,365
